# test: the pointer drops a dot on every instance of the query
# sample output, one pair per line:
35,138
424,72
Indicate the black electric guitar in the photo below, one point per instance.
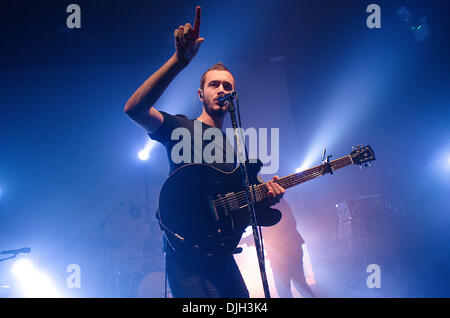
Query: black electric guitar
203,211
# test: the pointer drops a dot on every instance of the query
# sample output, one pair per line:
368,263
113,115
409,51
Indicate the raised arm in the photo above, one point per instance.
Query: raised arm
140,105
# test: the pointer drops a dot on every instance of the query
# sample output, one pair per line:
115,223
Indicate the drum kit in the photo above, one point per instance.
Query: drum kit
134,262
148,282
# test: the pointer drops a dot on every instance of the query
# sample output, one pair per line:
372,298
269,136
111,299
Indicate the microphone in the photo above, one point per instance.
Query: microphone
19,251
226,98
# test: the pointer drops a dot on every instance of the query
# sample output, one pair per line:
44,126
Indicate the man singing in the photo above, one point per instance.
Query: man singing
185,279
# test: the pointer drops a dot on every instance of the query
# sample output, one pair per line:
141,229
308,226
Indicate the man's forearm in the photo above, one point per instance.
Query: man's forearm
150,91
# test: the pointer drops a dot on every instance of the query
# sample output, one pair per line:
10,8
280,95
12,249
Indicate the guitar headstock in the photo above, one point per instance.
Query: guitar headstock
362,155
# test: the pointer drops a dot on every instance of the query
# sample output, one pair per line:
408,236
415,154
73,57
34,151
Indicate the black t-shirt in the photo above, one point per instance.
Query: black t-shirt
178,143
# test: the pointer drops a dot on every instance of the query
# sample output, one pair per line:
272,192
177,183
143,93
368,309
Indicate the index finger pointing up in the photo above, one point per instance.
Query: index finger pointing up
198,12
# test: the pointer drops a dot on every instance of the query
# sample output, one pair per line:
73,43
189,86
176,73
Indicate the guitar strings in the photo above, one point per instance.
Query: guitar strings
286,181
292,180
240,196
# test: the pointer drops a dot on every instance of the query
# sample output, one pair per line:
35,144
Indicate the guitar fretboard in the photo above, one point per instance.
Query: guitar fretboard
238,200
312,173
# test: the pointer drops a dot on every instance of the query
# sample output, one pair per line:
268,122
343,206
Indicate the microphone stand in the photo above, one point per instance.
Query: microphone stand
14,253
250,205
9,257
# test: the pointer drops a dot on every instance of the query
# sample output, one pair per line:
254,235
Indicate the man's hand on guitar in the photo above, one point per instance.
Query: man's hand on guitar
187,40
275,193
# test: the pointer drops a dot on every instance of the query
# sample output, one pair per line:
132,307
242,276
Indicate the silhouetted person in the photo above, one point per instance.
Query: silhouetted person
283,247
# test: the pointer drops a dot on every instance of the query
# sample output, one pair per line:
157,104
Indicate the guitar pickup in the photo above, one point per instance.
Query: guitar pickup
232,201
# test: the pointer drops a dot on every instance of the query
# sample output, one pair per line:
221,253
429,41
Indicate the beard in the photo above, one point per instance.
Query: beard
216,110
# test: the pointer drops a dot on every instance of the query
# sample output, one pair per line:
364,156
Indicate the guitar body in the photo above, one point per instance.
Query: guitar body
199,230
203,211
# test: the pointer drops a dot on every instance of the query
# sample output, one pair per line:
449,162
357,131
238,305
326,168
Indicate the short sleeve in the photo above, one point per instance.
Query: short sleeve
164,132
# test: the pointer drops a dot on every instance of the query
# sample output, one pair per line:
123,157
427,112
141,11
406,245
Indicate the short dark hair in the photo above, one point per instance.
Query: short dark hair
216,67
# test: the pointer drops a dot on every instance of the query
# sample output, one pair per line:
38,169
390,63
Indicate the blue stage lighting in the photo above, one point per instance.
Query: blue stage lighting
31,282
144,154
22,268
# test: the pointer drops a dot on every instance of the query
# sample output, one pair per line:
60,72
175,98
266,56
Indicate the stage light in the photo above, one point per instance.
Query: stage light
310,280
439,163
307,266
22,268
144,154
31,282
248,264
419,27
248,231
447,166
312,157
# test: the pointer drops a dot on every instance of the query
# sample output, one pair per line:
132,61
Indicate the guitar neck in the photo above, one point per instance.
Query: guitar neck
312,173
238,200
303,176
